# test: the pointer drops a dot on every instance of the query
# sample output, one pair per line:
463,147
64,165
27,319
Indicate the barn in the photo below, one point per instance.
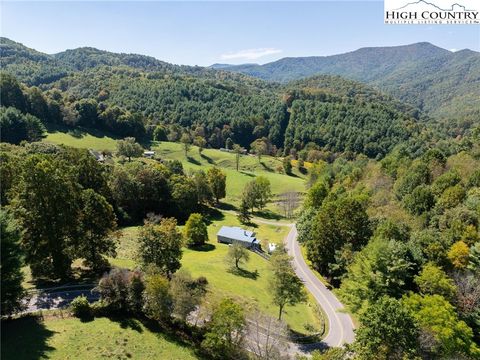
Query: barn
234,234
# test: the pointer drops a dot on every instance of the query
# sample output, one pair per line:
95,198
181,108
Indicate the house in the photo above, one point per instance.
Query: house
232,235
149,154
98,156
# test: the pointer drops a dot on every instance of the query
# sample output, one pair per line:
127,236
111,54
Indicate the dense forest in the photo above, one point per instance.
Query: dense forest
130,95
443,84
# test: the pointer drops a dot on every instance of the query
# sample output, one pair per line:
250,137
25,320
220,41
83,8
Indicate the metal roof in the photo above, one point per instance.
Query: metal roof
236,233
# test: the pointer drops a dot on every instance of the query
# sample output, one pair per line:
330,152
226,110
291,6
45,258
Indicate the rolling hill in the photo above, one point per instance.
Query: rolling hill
443,83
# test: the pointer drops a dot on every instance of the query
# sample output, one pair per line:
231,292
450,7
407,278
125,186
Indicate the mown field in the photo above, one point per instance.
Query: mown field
69,338
249,286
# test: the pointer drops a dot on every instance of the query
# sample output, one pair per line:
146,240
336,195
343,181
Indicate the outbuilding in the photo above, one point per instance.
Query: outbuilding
234,234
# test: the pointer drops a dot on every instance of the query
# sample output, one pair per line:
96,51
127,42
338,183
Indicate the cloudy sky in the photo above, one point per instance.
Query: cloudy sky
203,33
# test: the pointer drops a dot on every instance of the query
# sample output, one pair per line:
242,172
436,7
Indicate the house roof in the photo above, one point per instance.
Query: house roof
236,233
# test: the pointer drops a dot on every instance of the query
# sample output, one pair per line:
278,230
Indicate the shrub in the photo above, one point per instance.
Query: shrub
80,307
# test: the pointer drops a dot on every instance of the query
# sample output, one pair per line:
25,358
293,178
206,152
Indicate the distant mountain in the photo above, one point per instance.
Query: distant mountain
442,82
127,94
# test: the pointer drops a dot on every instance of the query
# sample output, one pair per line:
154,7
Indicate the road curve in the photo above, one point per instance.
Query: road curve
340,329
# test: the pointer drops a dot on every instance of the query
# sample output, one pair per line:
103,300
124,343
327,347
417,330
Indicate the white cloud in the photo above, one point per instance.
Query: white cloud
250,54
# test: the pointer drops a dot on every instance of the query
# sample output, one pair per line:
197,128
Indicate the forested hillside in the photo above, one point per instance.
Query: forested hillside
132,95
444,84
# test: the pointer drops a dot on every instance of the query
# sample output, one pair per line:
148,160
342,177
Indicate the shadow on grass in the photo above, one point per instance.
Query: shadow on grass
204,247
127,322
266,167
193,161
25,338
247,173
244,273
226,206
212,215
207,158
267,214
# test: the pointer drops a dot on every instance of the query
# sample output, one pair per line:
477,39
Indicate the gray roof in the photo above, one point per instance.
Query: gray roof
236,233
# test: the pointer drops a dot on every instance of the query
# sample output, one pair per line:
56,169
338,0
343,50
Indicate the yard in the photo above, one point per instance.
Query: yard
70,338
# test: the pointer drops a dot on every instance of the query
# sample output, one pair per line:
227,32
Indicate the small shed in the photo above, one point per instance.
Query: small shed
271,247
234,234
149,154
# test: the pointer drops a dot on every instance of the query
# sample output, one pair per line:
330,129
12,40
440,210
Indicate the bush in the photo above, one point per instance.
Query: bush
80,307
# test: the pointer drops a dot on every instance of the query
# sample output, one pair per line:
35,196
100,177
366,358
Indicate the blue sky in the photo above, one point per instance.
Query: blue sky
203,33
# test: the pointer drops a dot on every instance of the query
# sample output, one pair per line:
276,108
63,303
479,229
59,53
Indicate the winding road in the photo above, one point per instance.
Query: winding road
340,329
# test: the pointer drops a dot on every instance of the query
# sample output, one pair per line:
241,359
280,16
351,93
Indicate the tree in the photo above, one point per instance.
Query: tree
238,150
161,245
204,192
420,200
433,280
129,148
97,224
387,332
237,254
474,257
317,193
46,204
225,332
195,231
288,202
435,315
116,290
244,213
286,287
229,144
11,92
287,165
259,147
186,293
10,266
459,255
382,268
257,193
217,181
338,222
157,299
160,133
201,143
187,143
17,127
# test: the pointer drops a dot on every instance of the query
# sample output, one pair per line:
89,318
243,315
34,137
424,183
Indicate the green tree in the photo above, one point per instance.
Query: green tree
186,142
287,165
474,257
157,299
286,287
433,280
383,267
337,223
257,193
204,192
17,127
237,254
238,150
46,204
10,266
11,92
129,148
217,181
260,148
160,133
436,316
200,142
186,293
387,332
225,332
420,200
317,193
161,245
195,231
97,224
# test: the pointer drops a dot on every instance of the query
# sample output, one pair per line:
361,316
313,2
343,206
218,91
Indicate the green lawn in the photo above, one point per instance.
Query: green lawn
250,287
70,338
236,180
82,140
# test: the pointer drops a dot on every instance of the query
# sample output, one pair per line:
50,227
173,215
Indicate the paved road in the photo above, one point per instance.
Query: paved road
340,324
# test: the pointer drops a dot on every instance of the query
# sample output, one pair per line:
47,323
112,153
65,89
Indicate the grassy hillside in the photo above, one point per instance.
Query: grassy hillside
249,286
69,338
